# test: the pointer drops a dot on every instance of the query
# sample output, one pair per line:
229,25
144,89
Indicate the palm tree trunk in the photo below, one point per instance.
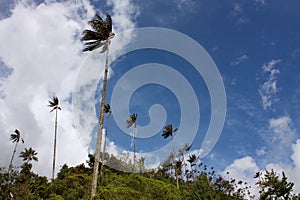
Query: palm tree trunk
176,175
54,148
134,146
12,158
100,126
104,143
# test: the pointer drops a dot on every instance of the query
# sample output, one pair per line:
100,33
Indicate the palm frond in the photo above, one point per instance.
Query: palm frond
109,22
168,131
54,103
97,17
107,108
29,154
15,137
187,147
97,23
90,46
92,35
192,158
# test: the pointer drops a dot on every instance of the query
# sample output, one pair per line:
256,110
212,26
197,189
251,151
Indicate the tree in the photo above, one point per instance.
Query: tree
54,104
272,187
99,36
15,138
167,132
193,162
132,121
106,110
29,155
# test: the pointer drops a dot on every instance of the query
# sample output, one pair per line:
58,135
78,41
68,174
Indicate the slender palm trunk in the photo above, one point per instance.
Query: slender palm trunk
176,175
104,143
54,148
12,158
100,126
134,146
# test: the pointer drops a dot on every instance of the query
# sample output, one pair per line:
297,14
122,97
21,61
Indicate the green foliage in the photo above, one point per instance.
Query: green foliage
273,187
75,183
53,196
134,186
203,190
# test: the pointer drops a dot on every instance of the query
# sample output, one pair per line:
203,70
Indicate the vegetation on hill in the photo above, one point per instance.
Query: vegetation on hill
75,183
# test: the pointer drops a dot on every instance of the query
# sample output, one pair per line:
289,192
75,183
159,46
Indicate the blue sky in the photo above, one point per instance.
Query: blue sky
255,45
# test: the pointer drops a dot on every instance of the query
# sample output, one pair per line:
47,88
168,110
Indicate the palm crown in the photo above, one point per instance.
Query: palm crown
102,30
54,104
168,131
29,154
192,159
131,120
16,136
107,108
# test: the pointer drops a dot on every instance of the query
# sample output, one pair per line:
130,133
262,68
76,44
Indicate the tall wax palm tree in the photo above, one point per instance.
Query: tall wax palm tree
107,110
29,155
54,104
99,36
132,121
167,132
15,138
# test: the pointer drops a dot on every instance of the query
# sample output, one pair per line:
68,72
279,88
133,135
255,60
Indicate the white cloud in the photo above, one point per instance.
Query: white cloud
282,132
291,171
239,60
279,137
282,137
186,5
43,49
260,152
237,13
269,88
245,168
237,9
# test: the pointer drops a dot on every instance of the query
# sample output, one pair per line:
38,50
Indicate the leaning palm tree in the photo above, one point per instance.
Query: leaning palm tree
29,155
107,110
15,138
167,132
132,121
54,104
99,36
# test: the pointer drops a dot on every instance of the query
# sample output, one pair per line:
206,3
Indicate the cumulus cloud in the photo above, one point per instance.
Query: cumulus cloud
40,43
239,60
269,88
245,168
284,144
291,171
